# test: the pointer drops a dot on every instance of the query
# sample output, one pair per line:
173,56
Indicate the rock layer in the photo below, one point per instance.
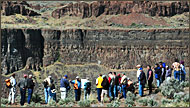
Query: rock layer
18,7
98,8
116,49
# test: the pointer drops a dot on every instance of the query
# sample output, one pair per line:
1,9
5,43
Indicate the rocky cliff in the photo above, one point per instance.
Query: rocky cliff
17,7
98,8
116,49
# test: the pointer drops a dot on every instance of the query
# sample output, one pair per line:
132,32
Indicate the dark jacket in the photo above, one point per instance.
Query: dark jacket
142,78
23,83
64,83
157,72
30,83
105,84
151,77
116,80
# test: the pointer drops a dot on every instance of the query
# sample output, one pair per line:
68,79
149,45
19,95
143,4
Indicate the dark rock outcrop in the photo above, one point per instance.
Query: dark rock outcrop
98,8
18,7
116,49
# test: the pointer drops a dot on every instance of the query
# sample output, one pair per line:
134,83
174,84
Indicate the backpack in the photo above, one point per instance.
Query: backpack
112,82
8,83
125,81
88,86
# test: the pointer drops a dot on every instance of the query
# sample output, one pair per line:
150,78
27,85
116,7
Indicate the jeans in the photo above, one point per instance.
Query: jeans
177,75
12,92
86,94
47,93
50,94
150,86
115,91
183,76
110,91
158,82
54,96
30,91
119,88
141,89
99,91
63,93
23,95
124,91
77,94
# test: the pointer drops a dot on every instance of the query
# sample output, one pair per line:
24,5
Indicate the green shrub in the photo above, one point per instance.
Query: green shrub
143,101
93,101
151,102
186,98
168,88
178,96
166,101
36,98
65,101
52,103
3,105
130,99
184,84
85,103
115,103
4,101
37,105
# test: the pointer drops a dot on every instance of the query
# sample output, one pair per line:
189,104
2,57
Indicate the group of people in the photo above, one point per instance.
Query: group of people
115,86
162,72
26,83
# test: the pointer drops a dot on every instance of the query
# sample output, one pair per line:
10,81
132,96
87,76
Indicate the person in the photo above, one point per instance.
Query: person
149,78
77,87
163,73
157,72
142,82
12,89
111,84
138,71
64,87
23,86
183,72
99,86
130,85
168,73
30,86
176,67
124,84
52,92
87,89
47,90
105,89
116,83
119,87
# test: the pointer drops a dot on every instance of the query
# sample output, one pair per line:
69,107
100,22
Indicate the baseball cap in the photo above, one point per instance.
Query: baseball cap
66,76
77,77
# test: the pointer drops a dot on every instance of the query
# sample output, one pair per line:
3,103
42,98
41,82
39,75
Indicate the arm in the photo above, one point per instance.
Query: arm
150,74
96,81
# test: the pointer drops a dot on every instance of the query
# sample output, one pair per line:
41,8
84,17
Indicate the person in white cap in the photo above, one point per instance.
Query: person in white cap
87,89
77,87
138,70
47,89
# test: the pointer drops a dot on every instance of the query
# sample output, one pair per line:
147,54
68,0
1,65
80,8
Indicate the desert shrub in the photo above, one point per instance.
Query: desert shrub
52,103
85,103
168,88
184,84
4,101
178,104
166,101
37,105
143,101
115,103
32,104
151,102
130,99
3,105
36,98
186,98
65,101
93,101
178,96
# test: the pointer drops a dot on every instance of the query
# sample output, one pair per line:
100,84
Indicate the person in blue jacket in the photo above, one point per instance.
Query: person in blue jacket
77,87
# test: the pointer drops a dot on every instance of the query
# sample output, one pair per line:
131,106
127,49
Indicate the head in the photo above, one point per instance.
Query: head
148,67
104,76
161,65
30,76
87,78
110,73
182,62
156,65
118,75
65,76
49,77
138,66
141,69
114,73
100,74
176,60
77,77
25,76
123,74
167,67
13,75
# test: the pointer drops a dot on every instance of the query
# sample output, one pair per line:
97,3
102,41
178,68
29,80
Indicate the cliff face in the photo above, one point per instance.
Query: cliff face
98,8
116,49
18,7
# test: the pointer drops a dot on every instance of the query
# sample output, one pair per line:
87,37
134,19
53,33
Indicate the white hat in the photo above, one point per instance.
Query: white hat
77,77
138,66
49,76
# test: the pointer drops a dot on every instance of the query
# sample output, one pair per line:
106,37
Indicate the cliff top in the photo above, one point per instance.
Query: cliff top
62,15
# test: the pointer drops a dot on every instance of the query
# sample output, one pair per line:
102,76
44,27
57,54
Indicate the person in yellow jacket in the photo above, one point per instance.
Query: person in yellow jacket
99,86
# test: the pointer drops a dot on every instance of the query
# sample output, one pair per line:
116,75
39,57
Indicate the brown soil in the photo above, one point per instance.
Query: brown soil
137,18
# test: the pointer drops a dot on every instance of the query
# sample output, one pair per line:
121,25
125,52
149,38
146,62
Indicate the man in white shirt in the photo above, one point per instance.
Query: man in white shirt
12,90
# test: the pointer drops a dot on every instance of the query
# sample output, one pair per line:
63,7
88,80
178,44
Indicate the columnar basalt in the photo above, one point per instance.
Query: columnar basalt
116,49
